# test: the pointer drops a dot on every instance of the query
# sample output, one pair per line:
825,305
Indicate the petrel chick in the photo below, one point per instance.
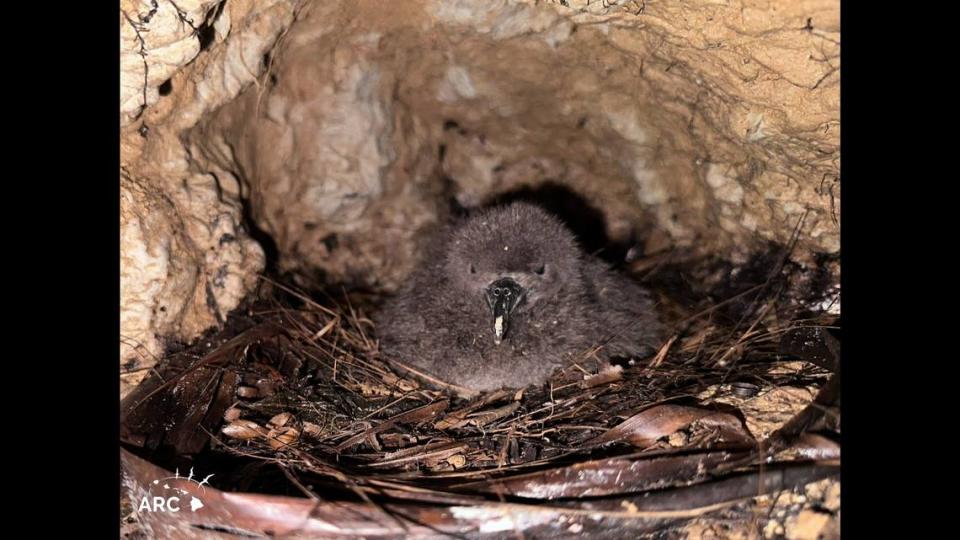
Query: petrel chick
506,297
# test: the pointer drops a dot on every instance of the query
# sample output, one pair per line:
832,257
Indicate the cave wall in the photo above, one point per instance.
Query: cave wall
345,127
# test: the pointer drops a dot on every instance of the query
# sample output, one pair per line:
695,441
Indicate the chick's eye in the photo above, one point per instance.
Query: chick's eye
473,269
540,269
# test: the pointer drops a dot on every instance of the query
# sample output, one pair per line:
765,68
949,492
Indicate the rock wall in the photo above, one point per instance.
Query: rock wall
345,127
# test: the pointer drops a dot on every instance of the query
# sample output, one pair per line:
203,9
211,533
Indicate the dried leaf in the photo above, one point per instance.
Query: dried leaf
609,375
483,418
280,420
606,477
312,430
419,414
233,414
458,418
248,392
645,428
283,437
434,452
244,430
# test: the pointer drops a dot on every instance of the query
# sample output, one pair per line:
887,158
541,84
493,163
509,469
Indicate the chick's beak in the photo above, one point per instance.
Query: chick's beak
503,295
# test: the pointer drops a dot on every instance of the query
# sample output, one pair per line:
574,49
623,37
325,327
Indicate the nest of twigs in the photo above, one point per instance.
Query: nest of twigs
290,403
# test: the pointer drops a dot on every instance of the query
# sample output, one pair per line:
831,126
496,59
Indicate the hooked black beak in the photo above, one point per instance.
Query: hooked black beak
503,295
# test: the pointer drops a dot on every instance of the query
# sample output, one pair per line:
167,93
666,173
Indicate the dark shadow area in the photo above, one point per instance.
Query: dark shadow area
206,33
269,245
735,293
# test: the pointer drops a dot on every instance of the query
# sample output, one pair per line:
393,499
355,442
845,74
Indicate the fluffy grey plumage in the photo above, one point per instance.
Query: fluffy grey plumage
518,270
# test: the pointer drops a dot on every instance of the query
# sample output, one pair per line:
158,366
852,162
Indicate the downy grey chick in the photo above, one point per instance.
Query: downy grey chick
506,297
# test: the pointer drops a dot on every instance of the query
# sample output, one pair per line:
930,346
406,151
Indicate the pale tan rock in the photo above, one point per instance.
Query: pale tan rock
807,525
767,411
156,40
185,259
158,275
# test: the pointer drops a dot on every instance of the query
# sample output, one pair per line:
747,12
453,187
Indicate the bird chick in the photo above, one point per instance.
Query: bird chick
506,297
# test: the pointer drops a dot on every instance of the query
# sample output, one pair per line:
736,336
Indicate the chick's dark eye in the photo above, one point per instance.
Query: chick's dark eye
539,270
473,269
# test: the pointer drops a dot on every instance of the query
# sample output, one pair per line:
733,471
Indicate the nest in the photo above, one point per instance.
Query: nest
291,408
